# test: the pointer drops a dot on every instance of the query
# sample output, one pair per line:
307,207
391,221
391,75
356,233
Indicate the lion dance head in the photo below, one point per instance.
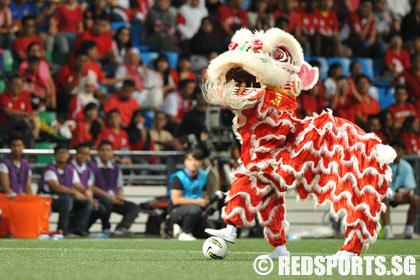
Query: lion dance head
255,62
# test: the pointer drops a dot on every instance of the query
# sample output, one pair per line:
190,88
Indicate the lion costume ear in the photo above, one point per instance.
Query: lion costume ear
308,75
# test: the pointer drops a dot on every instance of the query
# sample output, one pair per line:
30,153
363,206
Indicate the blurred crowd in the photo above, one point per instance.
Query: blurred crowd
106,90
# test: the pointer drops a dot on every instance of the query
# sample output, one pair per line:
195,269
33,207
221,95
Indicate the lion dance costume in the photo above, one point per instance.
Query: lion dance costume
323,156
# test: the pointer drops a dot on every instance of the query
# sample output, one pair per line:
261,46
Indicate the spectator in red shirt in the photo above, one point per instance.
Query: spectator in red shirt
287,12
90,47
68,78
123,102
368,105
342,101
410,78
114,133
27,36
327,37
362,39
309,24
66,24
103,39
33,83
140,138
230,17
183,71
16,112
397,60
410,134
87,130
401,109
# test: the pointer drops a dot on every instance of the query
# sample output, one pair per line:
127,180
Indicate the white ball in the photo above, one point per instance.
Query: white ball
215,248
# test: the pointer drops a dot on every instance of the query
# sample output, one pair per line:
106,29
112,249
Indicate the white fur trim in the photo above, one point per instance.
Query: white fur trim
385,154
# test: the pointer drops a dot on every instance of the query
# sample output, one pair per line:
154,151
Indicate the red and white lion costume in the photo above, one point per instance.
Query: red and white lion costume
329,158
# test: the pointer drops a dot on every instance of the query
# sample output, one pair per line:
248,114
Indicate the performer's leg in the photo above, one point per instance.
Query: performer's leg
244,199
272,216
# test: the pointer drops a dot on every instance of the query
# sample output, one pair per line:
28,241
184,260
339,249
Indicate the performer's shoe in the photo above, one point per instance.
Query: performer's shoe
275,255
222,233
342,254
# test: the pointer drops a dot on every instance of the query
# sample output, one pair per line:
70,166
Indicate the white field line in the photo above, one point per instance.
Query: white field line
169,251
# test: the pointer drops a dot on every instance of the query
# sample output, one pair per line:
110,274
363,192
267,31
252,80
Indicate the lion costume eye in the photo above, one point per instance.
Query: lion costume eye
281,54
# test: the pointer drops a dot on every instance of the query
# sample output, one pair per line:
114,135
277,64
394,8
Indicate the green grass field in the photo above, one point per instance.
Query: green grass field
150,258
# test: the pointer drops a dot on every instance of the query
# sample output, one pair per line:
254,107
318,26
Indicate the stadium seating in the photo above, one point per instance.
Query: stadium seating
117,25
386,97
173,59
148,57
345,63
8,60
367,66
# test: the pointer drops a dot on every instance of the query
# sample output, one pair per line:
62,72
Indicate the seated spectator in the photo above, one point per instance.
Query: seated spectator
368,105
183,71
97,8
260,17
139,137
334,73
177,103
84,94
122,43
374,126
327,37
161,65
163,139
230,17
397,60
7,31
410,78
363,38
309,24
25,38
189,18
402,185
16,112
410,134
188,198
108,189
401,109
61,178
388,130
160,27
114,133
311,102
91,48
399,8
385,24
410,23
66,23
88,129
287,11
68,78
15,171
103,39
33,83
44,74
123,102
205,41
343,101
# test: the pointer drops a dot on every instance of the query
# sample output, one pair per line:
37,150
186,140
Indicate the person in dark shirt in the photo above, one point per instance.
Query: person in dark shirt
188,198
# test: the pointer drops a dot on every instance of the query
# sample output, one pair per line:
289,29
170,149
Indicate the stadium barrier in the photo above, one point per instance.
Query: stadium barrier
153,182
